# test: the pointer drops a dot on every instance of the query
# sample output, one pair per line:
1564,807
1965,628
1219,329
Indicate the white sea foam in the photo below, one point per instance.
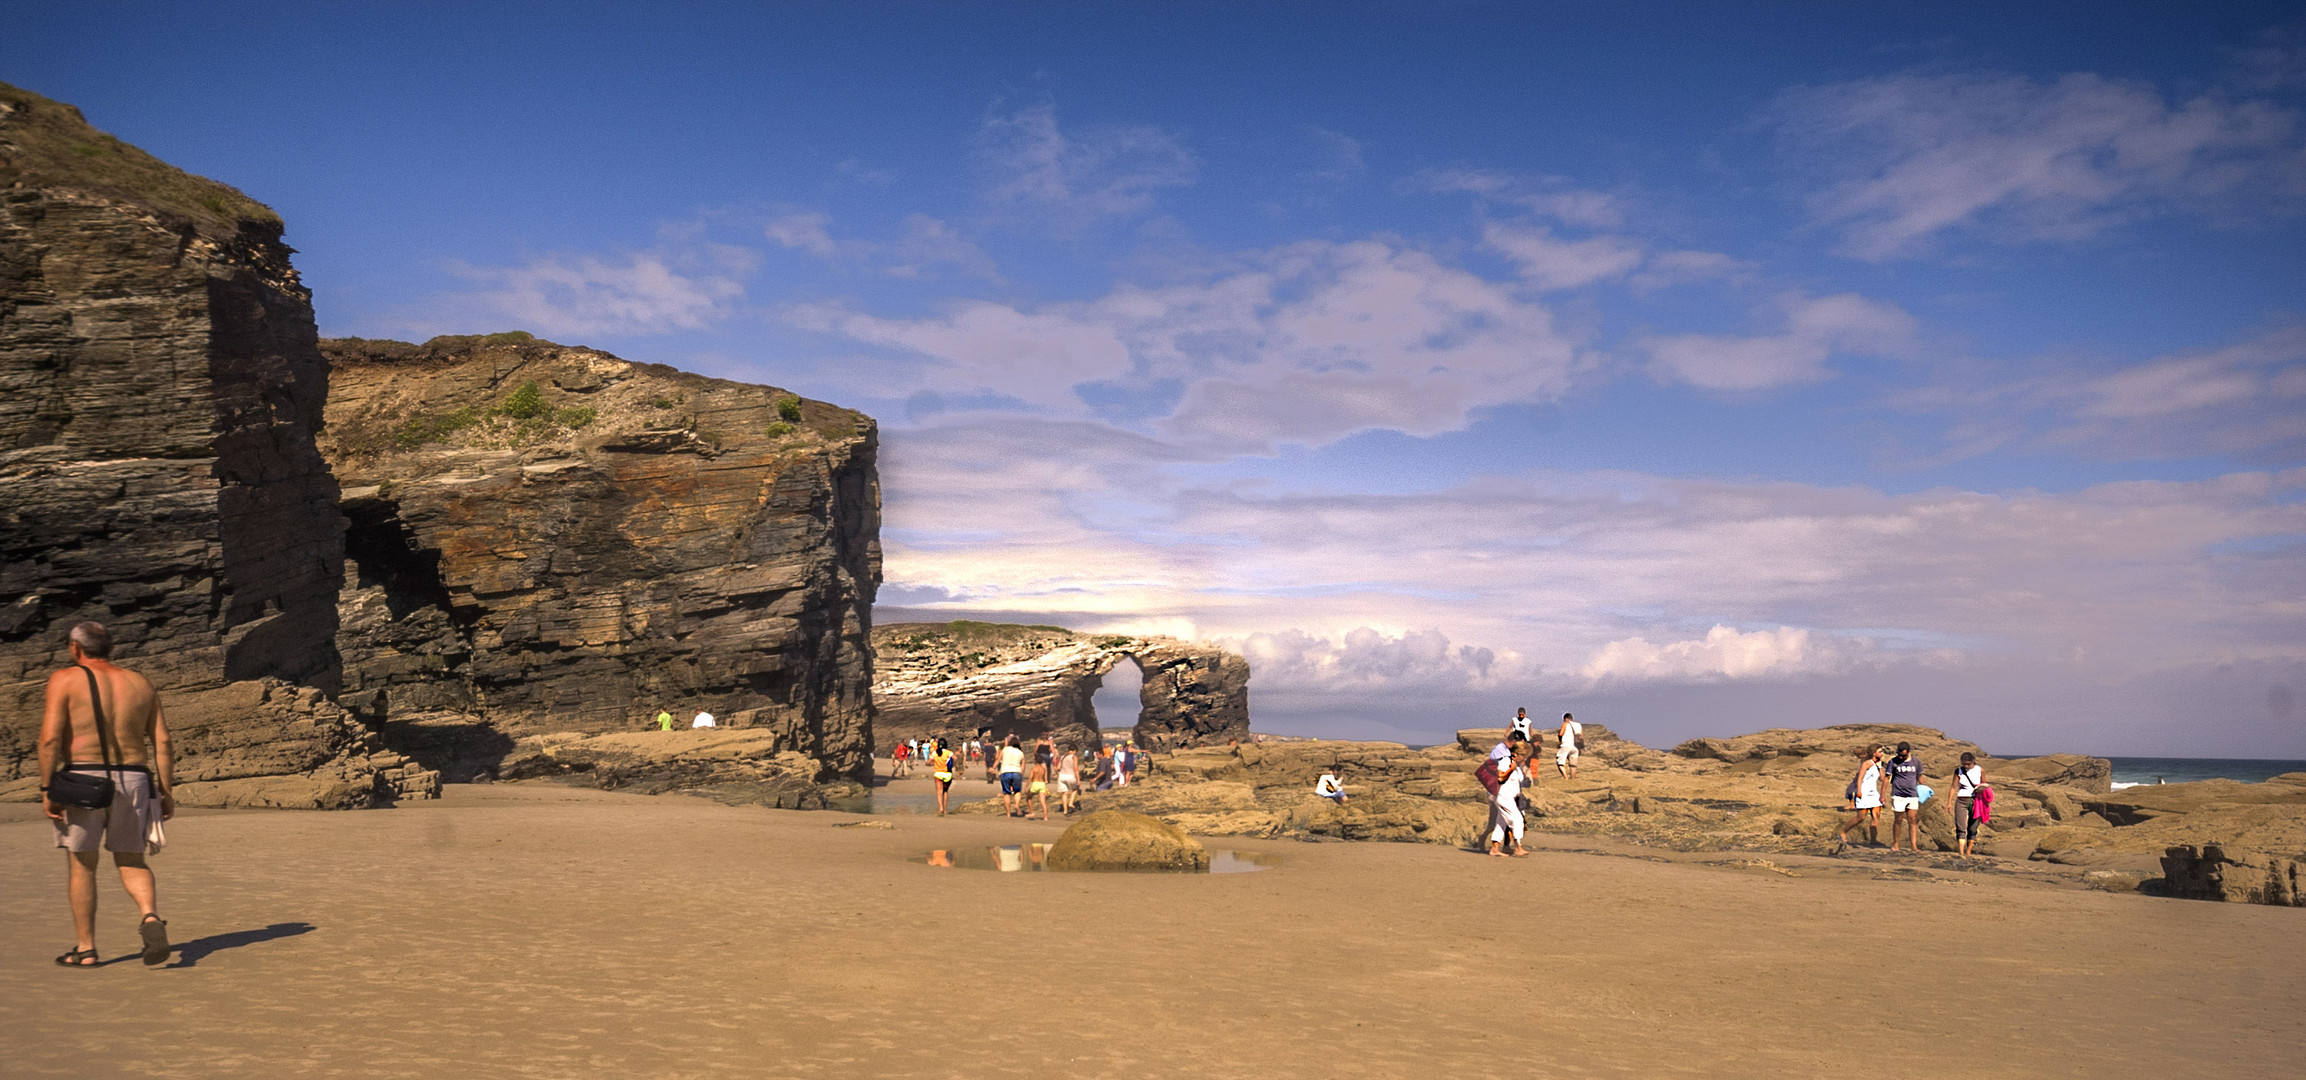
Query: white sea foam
2118,785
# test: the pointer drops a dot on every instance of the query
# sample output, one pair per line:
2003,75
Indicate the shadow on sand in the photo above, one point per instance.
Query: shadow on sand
198,949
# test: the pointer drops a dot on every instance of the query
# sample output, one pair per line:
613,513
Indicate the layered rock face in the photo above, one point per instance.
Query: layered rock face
953,679
548,540
160,386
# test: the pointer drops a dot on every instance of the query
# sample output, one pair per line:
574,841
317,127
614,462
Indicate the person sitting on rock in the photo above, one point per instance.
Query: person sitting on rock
1330,786
1108,773
703,720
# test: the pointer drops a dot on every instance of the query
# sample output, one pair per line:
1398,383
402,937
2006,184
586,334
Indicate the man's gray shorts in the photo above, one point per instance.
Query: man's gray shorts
119,827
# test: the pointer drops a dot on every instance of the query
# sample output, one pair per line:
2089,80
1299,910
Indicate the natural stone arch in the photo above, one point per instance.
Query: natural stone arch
953,679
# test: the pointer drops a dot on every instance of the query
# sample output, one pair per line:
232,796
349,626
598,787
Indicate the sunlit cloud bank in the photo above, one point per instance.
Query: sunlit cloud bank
1578,584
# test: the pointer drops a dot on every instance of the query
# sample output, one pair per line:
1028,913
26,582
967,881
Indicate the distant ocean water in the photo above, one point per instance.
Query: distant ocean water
2179,770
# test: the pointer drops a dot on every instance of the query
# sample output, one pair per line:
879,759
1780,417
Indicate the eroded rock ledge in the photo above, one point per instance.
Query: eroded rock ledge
550,540
951,679
160,387
1771,792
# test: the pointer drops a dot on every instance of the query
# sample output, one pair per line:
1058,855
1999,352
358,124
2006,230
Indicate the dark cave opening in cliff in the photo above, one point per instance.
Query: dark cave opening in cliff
1117,703
383,551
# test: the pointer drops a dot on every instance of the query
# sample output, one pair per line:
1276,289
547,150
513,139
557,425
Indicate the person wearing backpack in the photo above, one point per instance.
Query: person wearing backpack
1504,805
1491,772
1572,744
1969,780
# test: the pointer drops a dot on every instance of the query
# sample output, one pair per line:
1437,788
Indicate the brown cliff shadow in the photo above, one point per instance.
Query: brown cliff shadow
193,952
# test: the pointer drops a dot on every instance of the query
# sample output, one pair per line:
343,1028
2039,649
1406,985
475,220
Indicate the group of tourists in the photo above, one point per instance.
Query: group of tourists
1973,800
1026,778
1510,768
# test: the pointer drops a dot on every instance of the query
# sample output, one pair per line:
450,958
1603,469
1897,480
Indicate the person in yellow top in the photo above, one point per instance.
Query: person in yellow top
941,767
664,720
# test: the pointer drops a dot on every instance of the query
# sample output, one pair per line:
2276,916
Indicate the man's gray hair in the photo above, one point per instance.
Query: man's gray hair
93,639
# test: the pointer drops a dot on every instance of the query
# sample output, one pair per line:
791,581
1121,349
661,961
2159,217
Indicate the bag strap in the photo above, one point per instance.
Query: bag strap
103,727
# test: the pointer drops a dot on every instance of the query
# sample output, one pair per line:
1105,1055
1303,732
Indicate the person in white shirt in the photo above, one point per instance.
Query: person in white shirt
1329,786
1865,795
704,719
1967,780
1521,723
1505,808
1572,740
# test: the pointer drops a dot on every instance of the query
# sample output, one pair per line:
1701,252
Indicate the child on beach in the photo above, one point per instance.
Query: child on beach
941,769
1037,787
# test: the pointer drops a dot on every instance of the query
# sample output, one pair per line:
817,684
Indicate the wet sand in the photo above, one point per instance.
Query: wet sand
539,931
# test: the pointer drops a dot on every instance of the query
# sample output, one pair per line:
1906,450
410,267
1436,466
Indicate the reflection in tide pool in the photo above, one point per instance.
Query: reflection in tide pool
1020,858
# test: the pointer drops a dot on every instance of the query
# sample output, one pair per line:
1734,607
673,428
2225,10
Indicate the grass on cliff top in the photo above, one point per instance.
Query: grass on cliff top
970,632
523,417
51,145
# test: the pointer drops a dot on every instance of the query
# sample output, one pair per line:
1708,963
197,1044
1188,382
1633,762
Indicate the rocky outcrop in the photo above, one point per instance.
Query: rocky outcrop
1118,840
2210,872
160,386
547,539
953,679
748,766
1775,791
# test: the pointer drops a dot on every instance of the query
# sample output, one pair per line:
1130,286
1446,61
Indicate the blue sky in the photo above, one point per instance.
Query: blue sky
1695,367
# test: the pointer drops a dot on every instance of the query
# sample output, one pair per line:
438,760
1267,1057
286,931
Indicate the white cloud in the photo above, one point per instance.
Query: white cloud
2246,398
805,231
1072,179
574,296
1546,196
990,348
1307,343
1548,263
1816,330
1914,156
1726,653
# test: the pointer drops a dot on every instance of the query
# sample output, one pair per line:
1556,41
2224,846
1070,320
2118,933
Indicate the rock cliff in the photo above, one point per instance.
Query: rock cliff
951,679
160,385
547,539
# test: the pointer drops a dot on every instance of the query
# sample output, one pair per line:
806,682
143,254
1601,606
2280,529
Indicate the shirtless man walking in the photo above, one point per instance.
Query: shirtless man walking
142,783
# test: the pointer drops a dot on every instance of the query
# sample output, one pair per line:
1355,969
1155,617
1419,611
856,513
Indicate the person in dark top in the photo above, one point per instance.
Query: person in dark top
1906,797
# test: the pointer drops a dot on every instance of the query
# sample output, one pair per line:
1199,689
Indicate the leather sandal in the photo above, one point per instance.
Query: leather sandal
155,934
78,958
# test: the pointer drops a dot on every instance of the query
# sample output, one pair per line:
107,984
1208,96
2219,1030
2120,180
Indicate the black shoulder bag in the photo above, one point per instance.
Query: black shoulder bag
81,789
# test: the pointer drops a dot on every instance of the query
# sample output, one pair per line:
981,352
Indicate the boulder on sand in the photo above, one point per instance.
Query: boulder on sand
1120,840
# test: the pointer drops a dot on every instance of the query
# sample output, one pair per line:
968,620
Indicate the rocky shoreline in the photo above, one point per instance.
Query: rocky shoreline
1772,792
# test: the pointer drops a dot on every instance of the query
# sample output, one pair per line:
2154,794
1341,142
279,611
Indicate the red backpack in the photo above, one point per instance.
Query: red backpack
1488,775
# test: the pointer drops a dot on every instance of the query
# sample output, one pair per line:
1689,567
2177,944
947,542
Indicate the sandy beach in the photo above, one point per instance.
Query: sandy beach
536,930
